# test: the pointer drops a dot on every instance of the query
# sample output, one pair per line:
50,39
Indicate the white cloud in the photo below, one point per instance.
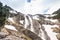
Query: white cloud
33,7
54,8
39,6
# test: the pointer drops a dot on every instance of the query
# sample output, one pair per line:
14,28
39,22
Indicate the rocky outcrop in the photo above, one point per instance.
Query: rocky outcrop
57,30
12,35
27,33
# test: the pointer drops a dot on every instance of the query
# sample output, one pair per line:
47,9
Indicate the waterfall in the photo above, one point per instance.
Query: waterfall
44,31
26,23
43,34
49,31
30,18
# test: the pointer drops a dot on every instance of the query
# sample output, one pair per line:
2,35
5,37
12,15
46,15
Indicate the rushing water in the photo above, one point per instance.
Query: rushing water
49,31
45,31
28,23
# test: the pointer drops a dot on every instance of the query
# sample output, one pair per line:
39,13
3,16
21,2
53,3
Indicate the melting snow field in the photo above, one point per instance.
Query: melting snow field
49,31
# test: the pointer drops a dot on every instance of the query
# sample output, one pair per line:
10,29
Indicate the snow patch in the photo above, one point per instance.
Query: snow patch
11,19
55,20
10,27
21,21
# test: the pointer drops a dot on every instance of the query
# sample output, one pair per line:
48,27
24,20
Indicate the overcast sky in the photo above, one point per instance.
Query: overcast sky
39,6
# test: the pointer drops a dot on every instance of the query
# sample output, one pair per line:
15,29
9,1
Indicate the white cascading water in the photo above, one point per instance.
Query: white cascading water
41,31
26,22
49,31
32,29
46,34
41,34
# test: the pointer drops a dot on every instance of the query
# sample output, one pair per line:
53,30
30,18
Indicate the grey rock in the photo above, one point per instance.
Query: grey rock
2,35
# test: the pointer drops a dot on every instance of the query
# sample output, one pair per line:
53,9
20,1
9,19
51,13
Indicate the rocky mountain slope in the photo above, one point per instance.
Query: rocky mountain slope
19,26
26,27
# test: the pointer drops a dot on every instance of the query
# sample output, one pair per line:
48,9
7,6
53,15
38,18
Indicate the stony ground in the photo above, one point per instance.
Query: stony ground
12,35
